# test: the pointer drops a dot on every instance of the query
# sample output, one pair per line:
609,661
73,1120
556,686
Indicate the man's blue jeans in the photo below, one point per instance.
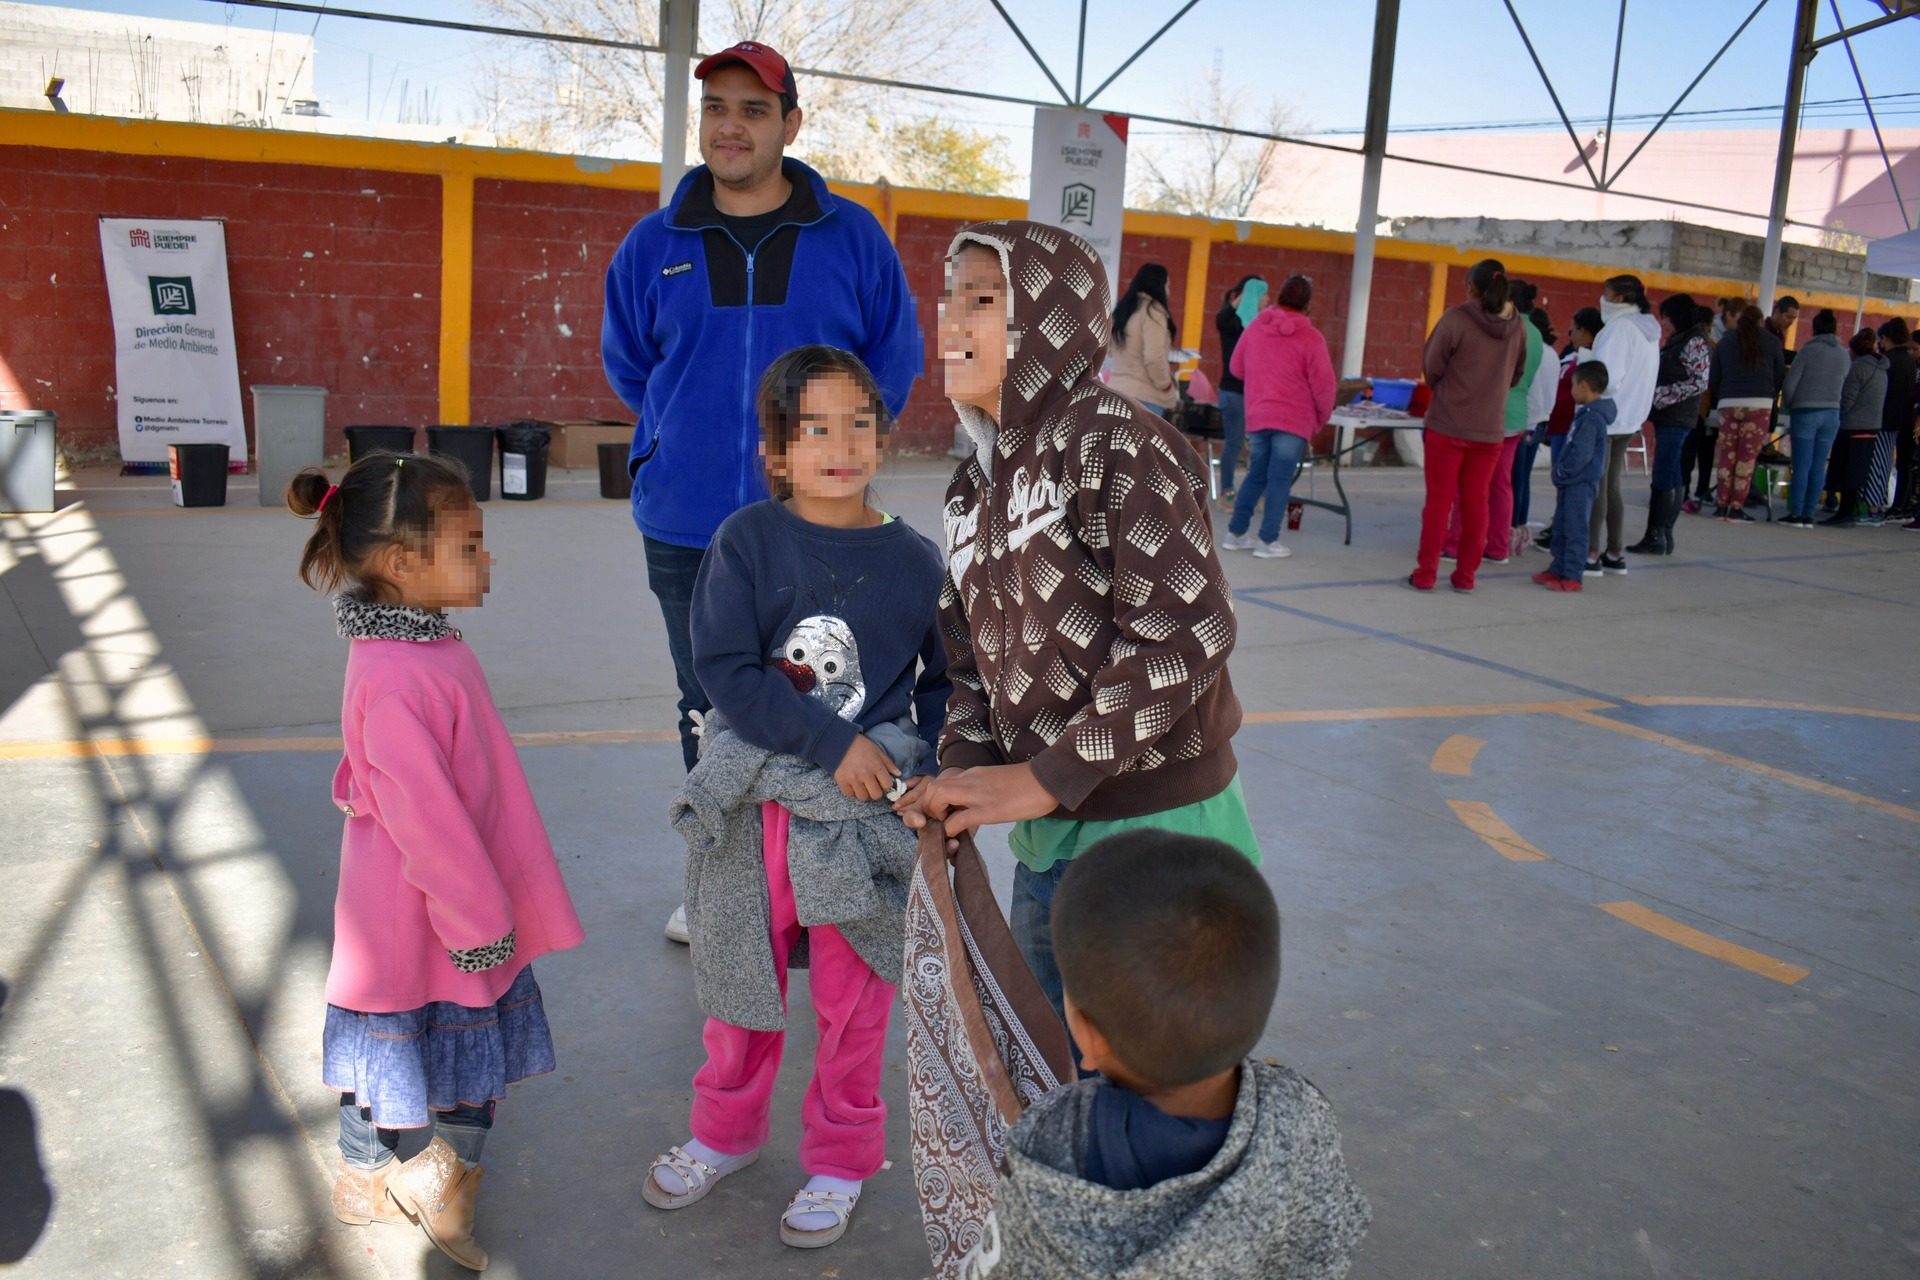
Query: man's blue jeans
1233,426
1812,432
1271,463
1032,924
671,571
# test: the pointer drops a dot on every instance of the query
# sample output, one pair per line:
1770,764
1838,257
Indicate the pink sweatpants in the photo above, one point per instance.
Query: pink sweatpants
843,1118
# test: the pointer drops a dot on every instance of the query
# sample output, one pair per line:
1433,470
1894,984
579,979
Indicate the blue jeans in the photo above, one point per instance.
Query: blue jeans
1274,458
671,571
1669,447
1032,923
1523,459
363,1146
1233,423
1812,432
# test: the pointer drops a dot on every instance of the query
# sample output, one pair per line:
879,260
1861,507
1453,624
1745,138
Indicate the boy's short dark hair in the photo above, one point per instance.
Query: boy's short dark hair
1785,302
1593,373
1170,944
1824,321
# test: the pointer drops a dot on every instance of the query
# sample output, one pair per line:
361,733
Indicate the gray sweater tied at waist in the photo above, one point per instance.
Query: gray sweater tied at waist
850,861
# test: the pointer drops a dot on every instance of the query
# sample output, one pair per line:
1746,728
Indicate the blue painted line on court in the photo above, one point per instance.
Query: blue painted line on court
1424,647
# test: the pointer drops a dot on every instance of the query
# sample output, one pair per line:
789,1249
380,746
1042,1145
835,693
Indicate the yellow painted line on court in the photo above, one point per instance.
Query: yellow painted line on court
1705,943
1455,755
1485,823
1751,766
1762,704
118,747
1420,713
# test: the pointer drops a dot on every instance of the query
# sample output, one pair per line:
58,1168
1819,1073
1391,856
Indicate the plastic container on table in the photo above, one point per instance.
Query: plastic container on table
472,448
523,459
364,440
615,480
199,473
289,435
1392,393
27,459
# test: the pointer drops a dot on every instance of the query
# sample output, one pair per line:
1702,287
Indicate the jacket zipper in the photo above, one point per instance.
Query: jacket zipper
747,382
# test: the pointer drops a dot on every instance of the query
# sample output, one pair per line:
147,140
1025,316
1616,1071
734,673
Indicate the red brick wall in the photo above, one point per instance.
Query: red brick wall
335,276
540,255
927,421
1396,308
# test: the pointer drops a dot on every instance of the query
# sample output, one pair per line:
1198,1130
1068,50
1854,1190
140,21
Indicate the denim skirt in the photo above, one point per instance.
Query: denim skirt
405,1065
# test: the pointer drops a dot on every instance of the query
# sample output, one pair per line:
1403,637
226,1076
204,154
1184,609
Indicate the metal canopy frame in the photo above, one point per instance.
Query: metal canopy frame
1806,44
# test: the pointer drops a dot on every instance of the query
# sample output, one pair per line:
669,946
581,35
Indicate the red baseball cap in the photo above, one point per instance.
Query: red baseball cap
763,61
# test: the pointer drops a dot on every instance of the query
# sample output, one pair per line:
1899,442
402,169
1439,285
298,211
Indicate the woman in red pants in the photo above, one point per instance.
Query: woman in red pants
1476,354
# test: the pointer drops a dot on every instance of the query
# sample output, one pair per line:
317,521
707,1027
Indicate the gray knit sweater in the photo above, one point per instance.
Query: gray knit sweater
850,860
1275,1202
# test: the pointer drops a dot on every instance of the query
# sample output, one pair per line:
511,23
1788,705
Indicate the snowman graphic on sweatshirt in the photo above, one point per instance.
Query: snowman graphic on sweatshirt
821,658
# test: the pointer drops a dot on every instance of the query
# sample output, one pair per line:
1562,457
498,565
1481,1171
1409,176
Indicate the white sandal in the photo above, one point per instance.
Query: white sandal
697,1175
804,1201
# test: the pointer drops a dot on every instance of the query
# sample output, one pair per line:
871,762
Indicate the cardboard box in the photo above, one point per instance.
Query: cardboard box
577,444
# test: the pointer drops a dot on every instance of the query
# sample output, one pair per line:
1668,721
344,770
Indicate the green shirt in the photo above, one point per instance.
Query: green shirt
1039,843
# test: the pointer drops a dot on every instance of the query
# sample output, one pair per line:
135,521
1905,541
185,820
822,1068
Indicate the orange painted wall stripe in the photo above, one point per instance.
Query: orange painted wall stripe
1485,823
1455,755
1705,943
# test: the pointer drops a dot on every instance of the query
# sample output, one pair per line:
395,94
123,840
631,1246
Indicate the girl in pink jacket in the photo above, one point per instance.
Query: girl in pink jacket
448,885
1289,380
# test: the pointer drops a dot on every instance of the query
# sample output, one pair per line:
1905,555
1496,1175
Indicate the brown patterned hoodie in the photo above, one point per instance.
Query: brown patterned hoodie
1086,618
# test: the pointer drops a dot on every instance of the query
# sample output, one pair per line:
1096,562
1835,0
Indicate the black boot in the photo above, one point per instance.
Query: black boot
1669,513
1649,545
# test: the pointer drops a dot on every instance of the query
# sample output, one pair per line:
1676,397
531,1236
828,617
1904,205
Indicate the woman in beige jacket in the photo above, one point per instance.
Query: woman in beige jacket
1142,336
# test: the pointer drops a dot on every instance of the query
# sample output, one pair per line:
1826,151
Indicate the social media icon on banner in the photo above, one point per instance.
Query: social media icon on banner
172,295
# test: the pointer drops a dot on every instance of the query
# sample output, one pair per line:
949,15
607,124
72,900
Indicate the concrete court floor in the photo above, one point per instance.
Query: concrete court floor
1528,1086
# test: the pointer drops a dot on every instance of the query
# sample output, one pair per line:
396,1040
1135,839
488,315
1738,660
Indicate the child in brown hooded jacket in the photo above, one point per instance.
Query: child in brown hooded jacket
1086,618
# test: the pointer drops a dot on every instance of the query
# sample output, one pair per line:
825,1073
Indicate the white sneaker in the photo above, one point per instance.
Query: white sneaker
1270,551
677,925
1237,542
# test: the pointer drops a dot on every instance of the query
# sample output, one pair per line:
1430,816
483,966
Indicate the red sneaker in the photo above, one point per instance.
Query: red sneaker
1547,577
1564,584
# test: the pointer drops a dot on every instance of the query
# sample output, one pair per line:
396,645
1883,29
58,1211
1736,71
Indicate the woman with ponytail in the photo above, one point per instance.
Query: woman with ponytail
1475,356
448,888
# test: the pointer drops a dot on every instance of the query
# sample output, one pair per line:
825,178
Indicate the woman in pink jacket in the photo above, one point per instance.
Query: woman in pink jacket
448,887
1289,380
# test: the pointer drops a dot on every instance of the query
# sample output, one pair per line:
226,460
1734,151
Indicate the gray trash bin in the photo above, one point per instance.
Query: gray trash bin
26,460
289,433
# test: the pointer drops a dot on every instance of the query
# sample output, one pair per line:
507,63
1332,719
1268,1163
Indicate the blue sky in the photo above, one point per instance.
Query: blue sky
1460,61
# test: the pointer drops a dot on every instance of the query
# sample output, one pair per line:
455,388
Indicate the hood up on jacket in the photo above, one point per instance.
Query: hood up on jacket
1059,321
1284,321
1276,1200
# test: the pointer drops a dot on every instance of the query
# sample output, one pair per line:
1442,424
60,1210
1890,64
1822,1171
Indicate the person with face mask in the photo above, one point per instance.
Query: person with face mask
1629,345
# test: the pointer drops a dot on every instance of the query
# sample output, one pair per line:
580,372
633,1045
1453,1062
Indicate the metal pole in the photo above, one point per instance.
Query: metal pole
1386,23
1860,307
679,23
1806,12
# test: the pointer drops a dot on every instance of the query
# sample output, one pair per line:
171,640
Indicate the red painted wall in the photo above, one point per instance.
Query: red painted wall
335,276
540,255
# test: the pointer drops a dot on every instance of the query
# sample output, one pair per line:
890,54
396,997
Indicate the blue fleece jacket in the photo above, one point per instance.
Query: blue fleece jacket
805,636
1583,458
693,318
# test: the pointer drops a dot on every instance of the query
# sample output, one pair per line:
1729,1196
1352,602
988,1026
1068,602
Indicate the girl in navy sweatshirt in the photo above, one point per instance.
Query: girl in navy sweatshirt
814,634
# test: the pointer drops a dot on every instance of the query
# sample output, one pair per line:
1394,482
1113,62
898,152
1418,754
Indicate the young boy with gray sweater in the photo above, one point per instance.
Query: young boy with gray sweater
1180,1157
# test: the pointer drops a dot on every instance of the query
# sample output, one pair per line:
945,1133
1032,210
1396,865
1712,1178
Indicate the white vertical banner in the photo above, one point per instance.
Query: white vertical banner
178,380
1080,178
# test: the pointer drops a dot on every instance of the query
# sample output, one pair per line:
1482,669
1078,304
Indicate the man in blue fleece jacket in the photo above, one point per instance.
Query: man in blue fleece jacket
752,257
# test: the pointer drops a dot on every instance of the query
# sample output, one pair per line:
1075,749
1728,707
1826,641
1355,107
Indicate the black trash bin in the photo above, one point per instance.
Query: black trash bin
472,448
362,441
199,474
615,480
523,460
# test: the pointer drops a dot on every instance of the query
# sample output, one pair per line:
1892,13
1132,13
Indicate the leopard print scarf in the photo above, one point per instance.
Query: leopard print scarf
364,619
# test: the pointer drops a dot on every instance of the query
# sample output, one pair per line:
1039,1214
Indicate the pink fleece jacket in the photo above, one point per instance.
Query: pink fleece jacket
1283,361
444,849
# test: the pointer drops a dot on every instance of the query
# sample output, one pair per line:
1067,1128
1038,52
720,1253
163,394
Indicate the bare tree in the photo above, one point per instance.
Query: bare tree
1213,174
573,97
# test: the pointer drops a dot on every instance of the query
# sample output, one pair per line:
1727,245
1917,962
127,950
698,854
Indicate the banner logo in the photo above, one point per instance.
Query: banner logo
172,295
1076,203
138,238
